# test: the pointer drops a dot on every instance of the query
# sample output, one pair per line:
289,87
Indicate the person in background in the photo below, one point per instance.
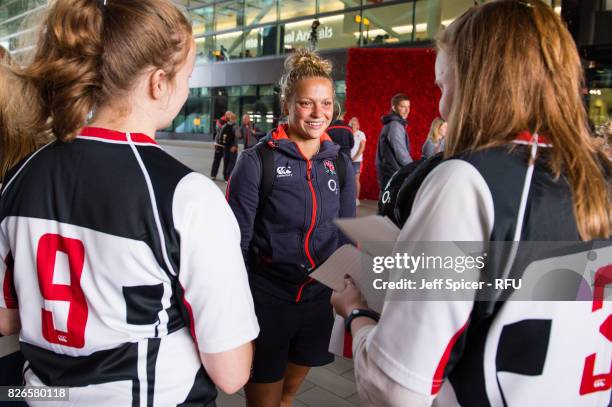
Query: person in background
248,131
288,230
342,135
228,138
155,323
220,122
357,153
393,149
219,150
435,139
519,166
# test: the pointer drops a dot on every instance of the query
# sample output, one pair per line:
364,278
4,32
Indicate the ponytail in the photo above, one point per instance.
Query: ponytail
90,52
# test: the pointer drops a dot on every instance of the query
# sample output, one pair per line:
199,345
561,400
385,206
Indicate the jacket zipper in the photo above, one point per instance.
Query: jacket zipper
312,225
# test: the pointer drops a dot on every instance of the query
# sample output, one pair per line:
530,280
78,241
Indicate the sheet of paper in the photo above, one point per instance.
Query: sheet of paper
374,234
346,260
350,260
338,344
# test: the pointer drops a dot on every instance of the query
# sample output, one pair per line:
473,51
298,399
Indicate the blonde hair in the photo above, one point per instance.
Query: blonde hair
517,68
19,136
302,64
434,130
89,53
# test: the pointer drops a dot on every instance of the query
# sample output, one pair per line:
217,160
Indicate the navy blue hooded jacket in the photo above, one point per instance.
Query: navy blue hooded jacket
293,231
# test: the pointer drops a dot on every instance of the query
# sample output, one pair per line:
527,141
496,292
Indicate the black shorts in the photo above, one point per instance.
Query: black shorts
290,332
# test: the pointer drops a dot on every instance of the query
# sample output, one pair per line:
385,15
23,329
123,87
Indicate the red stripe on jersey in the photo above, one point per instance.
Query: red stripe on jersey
347,347
439,374
527,137
113,135
191,318
8,288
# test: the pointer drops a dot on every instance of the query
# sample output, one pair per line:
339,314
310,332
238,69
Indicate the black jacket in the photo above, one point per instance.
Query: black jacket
227,135
342,135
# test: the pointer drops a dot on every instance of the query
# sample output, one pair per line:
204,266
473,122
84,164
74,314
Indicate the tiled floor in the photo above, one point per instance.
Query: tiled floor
329,386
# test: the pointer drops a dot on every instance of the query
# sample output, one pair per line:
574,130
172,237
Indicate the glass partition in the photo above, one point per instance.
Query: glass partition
260,12
297,8
389,24
228,15
202,20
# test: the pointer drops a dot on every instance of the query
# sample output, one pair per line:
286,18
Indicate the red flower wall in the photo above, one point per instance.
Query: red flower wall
373,76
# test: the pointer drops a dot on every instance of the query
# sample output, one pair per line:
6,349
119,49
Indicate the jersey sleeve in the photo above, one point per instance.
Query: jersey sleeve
415,342
8,296
212,272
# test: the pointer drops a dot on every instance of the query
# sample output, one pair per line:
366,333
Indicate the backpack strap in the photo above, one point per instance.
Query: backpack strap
341,166
266,157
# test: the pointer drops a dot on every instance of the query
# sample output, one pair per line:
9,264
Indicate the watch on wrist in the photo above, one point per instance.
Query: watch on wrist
360,312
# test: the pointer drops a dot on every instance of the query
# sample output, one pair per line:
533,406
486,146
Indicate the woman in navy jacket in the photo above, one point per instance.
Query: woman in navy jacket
289,232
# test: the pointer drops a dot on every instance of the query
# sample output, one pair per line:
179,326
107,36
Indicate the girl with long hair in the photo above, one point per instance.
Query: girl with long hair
519,167
285,192
111,248
435,139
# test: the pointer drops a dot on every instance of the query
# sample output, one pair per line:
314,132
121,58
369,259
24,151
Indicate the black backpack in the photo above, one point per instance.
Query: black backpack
266,156
398,195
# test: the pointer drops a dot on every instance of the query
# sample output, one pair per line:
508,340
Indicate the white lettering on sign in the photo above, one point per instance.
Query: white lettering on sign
303,35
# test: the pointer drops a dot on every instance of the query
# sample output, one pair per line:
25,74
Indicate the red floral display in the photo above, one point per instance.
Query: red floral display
373,76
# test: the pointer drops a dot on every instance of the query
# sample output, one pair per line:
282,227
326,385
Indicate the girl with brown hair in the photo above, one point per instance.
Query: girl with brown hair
519,167
285,192
112,248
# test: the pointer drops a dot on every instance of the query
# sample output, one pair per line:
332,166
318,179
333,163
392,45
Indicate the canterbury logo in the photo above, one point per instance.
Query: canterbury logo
284,171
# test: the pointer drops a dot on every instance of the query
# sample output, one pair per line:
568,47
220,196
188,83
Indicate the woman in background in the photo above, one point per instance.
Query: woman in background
357,153
435,139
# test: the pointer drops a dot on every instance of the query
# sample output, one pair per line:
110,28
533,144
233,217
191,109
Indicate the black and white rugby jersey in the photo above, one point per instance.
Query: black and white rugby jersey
514,353
124,264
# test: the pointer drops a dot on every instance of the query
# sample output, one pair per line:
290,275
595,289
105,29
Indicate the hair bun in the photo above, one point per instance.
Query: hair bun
306,60
302,64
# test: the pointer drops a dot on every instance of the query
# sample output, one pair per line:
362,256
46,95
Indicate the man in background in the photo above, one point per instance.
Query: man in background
222,121
393,150
248,131
228,136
